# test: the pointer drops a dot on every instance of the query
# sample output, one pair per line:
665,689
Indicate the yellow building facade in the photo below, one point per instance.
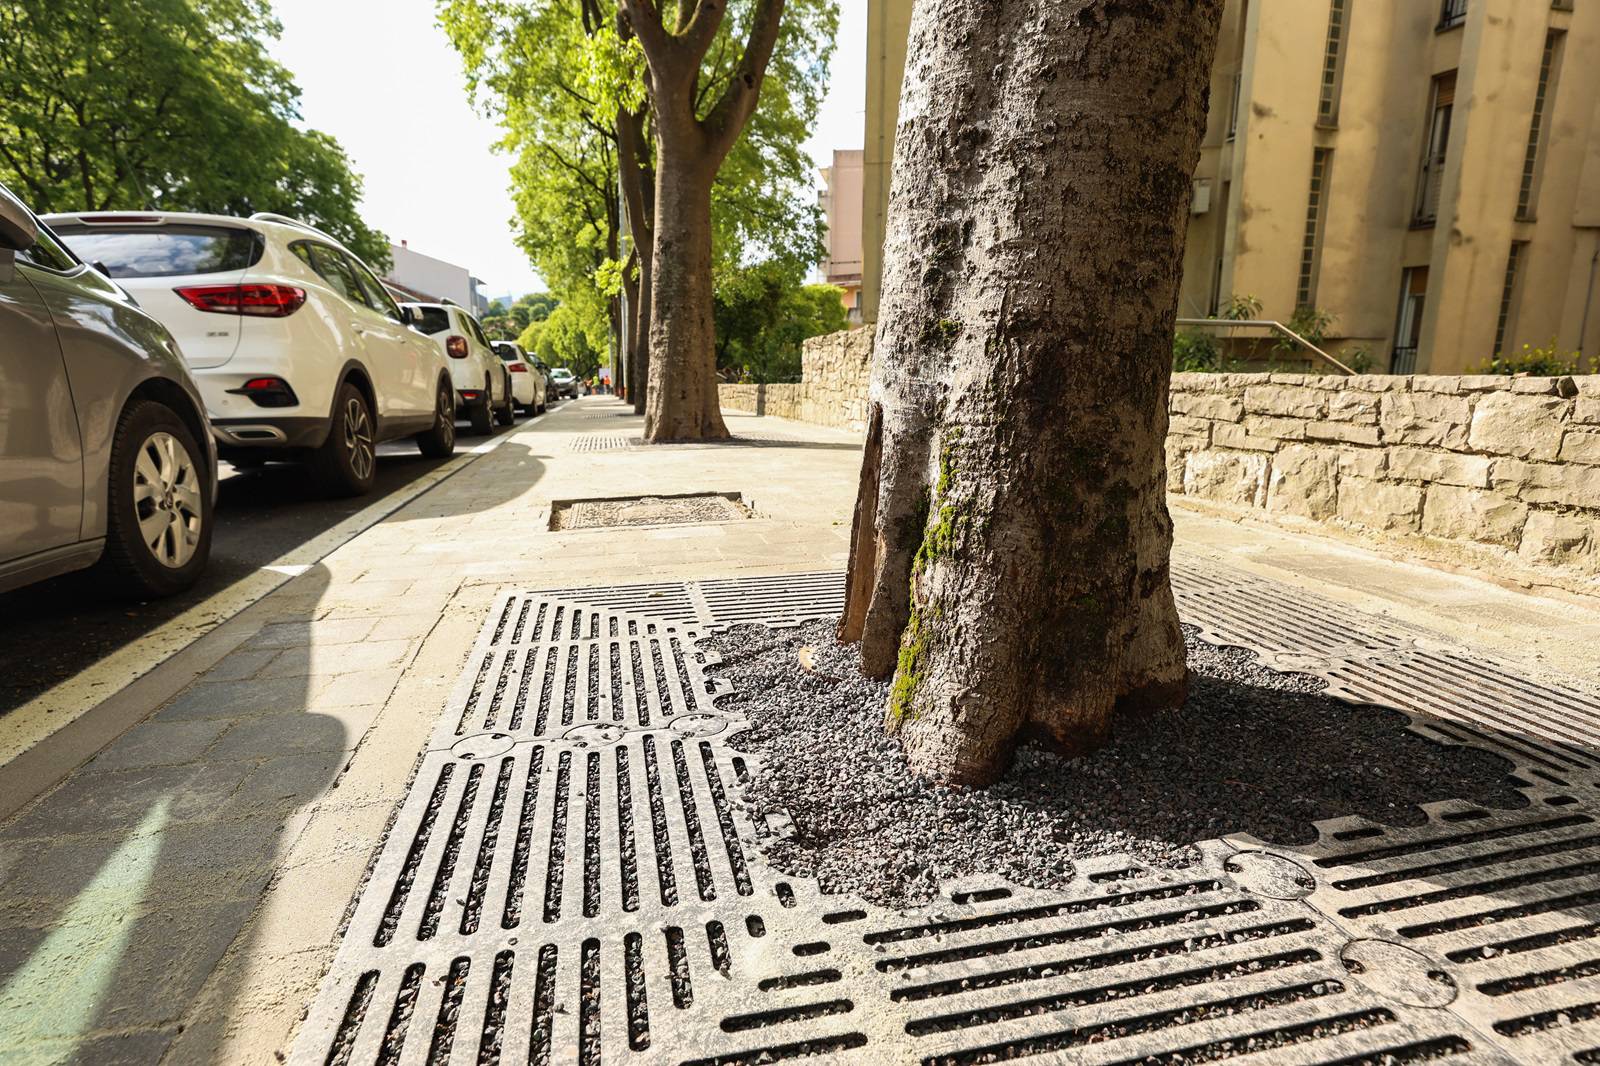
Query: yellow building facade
1426,171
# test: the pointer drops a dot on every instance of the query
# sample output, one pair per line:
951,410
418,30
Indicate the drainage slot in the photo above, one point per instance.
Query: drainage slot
405,1002
1493,858
641,699
1526,943
717,941
825,1045
444,1029
730,835
408,873
494,1014
798,980
658,824
547,684
558,839
678,961
1108,993
989,895
471,913
626,846
344,1041
1150,1023
1066,936
1575,972
589,1004
691,821
1439,843
524,848
452,852
755,925
591,838
743,1023
544,998
638,1008
1501,914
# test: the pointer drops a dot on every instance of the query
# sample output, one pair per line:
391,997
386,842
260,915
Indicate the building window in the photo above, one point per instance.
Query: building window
1431,180
1316,206
1333,64
1233,112
1408,325
1537,126
1452,13
1508,294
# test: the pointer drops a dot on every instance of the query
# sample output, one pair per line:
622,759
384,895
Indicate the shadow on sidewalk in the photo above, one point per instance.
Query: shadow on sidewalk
127,892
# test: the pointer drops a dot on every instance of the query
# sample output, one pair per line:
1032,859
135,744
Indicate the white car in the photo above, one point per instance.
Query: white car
564,383
527,382
299,351
483,386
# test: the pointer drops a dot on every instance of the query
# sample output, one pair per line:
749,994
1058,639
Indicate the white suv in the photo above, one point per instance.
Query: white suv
483,385
299,351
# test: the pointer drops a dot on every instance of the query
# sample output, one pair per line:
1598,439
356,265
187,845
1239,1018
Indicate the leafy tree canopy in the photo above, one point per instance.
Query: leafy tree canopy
165,104
764,313
562,340
554,72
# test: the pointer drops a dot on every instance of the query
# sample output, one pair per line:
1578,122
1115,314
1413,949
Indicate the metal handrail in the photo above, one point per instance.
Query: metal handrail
1267,323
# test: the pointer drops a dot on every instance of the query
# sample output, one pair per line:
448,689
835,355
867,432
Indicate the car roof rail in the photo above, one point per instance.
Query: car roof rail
285,220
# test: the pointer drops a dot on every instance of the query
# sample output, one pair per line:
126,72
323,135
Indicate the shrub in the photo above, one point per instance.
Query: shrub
1542,362
1195,352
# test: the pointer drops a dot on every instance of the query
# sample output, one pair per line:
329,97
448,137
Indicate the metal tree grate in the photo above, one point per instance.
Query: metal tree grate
572,879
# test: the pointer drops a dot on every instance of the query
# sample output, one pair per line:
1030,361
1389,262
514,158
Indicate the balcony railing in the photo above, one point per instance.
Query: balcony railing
1452,14
1429,187
1404,360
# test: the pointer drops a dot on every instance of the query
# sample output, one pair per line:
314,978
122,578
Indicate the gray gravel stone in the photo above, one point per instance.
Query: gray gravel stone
1253,751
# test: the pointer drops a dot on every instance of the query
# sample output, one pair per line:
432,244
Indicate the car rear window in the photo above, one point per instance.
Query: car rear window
163,251
431,320
506,352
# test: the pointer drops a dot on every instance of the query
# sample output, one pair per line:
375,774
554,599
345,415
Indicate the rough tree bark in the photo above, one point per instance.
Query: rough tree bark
1009,561
682,402
638,196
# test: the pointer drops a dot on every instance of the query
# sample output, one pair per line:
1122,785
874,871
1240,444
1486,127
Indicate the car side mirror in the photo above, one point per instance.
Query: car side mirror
407,316
18,230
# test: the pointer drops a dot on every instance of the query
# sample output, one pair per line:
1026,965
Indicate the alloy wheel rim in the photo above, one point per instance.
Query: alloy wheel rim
447,417
358,439
167,499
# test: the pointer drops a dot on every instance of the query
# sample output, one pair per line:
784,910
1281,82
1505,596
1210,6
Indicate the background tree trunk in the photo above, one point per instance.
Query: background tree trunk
682,403
690,147
1010,557
638,195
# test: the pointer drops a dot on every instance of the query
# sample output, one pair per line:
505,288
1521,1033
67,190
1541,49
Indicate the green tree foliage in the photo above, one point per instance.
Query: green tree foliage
508,323
555,72
165,104
764,313
562,340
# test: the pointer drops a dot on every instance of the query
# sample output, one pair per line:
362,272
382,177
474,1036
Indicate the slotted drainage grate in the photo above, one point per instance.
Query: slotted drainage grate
572,880
608,513
599,442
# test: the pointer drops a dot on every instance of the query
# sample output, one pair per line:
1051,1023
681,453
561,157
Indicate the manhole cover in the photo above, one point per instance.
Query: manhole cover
1271,875
697,509
699,725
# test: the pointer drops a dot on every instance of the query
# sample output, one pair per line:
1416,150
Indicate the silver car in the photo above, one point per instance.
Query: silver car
105,454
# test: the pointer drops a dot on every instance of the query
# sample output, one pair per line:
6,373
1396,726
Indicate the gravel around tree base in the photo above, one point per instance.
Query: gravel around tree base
1252,751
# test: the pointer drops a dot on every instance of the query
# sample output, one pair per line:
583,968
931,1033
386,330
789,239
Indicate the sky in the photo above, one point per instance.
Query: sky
380,76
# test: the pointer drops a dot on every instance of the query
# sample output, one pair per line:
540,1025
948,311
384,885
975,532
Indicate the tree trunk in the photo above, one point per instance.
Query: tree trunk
638,199
682,403
1011,548
639,357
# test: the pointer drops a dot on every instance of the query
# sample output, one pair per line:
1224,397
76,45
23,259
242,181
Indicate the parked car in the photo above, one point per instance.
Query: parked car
300,352
549,384
565,384
528,385
105,455
483,386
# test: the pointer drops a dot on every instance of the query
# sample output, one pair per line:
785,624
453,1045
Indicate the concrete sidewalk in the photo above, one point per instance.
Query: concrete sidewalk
178,896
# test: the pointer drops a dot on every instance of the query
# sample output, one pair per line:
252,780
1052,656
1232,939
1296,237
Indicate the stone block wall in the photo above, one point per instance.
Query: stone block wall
832,391
1502,469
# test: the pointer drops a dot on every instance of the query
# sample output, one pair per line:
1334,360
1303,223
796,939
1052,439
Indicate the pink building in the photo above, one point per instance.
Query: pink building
841,200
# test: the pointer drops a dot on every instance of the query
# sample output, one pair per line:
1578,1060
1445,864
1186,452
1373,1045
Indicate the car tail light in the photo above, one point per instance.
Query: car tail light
516,368
267,392
258,301
457,347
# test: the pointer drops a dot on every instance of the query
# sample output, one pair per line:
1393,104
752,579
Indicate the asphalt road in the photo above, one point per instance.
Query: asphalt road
52,630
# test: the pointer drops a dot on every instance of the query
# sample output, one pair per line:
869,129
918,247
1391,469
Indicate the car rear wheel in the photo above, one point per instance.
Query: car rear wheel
440,441
506,413
158,522
347,462
481,417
